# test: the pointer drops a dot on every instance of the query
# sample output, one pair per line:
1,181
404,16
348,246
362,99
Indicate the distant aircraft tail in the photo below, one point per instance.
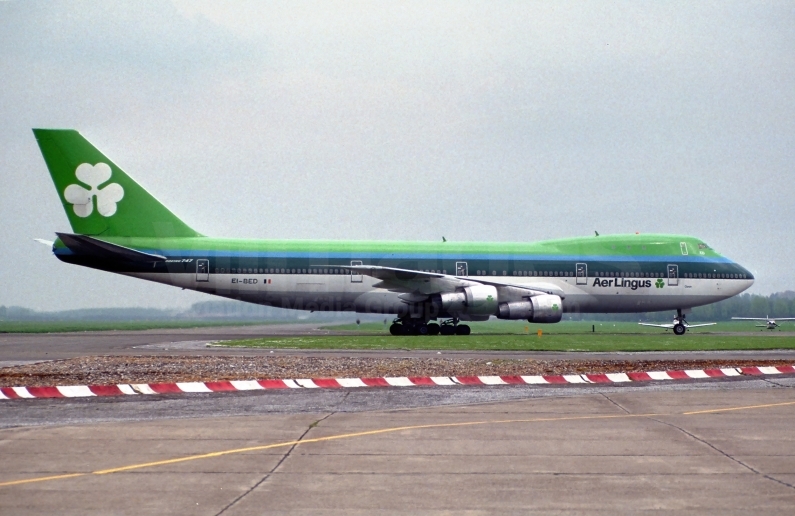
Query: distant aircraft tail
100,198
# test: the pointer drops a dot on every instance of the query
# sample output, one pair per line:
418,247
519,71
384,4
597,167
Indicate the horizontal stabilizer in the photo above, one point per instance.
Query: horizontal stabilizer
89,246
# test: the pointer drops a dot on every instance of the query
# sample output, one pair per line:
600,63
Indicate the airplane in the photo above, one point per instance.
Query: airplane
770,324
680,325
429,287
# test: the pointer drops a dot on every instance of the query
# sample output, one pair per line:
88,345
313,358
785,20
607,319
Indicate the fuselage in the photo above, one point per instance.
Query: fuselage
603,274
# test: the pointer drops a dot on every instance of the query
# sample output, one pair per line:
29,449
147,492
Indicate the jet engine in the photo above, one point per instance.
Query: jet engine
474,300
546,308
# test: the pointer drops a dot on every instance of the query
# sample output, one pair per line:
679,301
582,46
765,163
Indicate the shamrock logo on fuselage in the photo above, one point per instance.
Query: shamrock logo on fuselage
660,283
82,200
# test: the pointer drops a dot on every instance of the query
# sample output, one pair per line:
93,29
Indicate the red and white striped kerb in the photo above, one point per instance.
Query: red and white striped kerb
79,391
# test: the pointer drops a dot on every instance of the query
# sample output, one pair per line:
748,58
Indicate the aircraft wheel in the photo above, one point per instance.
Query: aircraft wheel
396,329
433,329
422,329
679,329
447,329
462,329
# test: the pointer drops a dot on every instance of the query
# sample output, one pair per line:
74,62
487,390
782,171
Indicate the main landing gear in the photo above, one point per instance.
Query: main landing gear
408,326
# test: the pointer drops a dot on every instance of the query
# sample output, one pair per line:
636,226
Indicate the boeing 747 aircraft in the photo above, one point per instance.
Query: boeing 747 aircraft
430,287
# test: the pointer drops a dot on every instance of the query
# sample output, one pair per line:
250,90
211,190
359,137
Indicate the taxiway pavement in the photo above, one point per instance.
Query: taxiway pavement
692,448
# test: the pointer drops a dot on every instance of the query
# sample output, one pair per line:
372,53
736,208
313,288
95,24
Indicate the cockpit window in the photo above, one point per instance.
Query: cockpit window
703,246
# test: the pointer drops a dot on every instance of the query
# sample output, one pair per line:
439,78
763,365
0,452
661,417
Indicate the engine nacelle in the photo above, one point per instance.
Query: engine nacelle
515,310
474,300
539,309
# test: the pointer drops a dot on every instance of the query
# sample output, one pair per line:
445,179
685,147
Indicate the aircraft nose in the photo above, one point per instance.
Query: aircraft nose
742,284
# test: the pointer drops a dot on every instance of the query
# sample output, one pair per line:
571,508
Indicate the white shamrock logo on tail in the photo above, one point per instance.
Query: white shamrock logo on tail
82,199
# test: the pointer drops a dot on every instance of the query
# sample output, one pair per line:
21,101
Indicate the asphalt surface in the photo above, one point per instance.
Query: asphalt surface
684,447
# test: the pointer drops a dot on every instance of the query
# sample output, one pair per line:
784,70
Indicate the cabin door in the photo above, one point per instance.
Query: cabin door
582,273
356,278
202,270
673,275
461,269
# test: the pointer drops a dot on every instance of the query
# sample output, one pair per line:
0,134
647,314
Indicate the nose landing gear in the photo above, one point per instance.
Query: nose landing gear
680,325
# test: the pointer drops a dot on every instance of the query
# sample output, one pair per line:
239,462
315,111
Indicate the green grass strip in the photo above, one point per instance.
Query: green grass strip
531,342
76,326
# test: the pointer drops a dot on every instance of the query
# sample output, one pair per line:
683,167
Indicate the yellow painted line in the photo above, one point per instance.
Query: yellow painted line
375,432
351,435
42,479
747,407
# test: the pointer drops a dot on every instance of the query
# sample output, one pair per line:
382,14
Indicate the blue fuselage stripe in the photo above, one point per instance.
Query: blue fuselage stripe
194,253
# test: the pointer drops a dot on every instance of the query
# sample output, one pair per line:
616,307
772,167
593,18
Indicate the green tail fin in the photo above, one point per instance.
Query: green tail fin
99,198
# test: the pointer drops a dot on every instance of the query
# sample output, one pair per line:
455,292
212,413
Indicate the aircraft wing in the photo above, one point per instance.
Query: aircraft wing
86,245
669,325
784,318
408,280
751,318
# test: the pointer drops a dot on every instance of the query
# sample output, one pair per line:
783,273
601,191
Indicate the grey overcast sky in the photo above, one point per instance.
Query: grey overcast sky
498,121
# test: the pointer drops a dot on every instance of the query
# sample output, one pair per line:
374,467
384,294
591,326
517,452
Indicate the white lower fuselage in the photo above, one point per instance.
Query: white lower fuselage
345,292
